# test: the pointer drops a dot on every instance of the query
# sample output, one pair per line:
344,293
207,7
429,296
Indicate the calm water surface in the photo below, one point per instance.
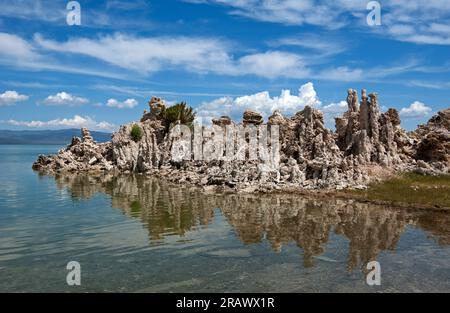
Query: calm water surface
134,234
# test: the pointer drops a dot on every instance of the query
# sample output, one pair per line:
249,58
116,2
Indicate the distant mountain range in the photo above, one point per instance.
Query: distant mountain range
46,137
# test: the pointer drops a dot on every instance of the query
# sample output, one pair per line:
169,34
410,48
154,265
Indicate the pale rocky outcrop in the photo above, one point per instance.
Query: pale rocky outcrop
366,146
222,121
157,106
252,117
81,155
432,142
372,136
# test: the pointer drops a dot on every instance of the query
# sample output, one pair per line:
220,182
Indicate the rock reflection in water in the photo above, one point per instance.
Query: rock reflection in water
165,210
174,210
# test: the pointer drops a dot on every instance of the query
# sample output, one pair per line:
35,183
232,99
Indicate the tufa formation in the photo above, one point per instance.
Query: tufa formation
367,146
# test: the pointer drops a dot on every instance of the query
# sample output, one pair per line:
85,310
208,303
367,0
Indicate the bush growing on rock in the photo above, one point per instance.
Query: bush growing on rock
179,112
136,133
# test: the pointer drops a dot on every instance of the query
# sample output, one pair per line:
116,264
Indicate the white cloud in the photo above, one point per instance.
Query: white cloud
415,21
16,49
345,74
149,54
43,10
318,45
75,122
272,64
429,84
126,5
146,55
64,98
54,12
33,85
332,111
404,20
19,53
198,55
207,55
416,110
335,108
401,30
144,92
127,104
261,102
10,97
105,126
290,12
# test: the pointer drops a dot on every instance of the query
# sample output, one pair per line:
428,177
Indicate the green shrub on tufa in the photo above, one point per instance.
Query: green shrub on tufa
136,133
179,112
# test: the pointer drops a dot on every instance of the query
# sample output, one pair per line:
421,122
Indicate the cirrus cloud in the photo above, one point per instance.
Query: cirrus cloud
76,121
146,55
143,54
199,55
403,20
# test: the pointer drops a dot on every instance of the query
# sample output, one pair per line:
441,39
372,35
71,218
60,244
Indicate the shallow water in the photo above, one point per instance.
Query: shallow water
134,234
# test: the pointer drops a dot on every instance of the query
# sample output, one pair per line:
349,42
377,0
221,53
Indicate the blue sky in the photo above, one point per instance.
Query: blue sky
220,56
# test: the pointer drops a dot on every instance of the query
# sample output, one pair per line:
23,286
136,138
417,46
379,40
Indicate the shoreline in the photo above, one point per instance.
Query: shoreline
295,154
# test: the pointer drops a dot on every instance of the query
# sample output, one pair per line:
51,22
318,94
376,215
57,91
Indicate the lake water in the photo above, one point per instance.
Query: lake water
135,234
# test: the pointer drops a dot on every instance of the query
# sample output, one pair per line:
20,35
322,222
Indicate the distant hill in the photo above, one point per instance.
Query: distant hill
46,137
